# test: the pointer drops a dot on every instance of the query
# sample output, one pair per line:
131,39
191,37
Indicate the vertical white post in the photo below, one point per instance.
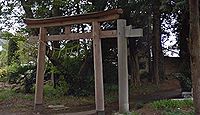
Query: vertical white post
40,70
122,66
98,71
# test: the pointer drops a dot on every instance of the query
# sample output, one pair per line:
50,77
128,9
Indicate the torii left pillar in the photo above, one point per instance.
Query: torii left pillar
38,103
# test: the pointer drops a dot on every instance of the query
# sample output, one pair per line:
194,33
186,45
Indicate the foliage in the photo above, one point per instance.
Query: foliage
171,104
57,92
185,81
57,96
127,113
145,75
111,93
133,113
145,89
13,72
7,94
3,56
20,61
174,107
3,75
67,57
178,112
26,79
12,52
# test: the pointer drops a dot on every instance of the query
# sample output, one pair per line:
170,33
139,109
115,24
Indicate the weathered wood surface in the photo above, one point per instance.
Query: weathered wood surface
76,36
122,66
129,32
76,19
40,69
98,68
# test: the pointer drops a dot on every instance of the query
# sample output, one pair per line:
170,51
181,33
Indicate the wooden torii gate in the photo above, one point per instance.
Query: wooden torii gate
122,33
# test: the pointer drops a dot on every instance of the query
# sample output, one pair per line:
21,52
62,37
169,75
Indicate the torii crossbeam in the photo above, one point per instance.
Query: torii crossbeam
122,33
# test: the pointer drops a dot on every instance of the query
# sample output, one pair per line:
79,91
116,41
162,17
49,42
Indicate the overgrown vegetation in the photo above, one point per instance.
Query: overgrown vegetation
174,107
8,94
171,104
52,96
71,61
69,64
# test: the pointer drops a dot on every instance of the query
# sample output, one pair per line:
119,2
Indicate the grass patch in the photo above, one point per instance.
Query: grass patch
57,96
171,104
173,107
177,112
6,94
132,113
128,113
144,89
111,93
29,97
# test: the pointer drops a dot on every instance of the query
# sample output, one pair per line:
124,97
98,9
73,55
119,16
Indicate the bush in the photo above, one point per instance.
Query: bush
178,112
13,72
50,91
23,76
3,74
5,94
80,87
184,76
27,80
185,81
171,104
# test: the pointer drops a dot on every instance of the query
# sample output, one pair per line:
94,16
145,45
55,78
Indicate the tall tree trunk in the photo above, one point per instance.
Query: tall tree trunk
133,62
133,59
183,29
157,48
195,52
184,35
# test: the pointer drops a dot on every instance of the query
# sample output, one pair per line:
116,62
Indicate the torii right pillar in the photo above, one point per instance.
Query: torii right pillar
123,32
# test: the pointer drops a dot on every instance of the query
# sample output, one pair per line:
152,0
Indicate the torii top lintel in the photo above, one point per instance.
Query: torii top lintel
76,19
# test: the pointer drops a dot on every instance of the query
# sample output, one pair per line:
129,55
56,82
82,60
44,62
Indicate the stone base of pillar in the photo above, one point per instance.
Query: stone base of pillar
100,112
38,107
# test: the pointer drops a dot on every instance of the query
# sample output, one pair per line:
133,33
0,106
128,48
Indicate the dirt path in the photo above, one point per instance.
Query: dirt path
92,112
136,101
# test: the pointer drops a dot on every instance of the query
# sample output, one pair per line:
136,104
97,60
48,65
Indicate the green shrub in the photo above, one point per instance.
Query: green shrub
26,81
177,112
184,76
171,104
23,76
185,81
3,75
50,91
134,113
6,94
13,72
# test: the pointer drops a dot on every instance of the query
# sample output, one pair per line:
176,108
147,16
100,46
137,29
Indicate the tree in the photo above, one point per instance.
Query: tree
195,52
138,13
156,43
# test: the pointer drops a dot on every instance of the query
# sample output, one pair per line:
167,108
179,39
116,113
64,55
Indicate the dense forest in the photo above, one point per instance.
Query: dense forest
69,64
